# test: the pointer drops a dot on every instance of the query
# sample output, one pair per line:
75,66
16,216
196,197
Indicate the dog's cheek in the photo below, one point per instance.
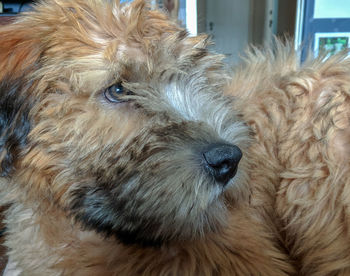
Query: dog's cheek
70,139
14,123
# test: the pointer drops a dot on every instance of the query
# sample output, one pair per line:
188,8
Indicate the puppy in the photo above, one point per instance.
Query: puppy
125,151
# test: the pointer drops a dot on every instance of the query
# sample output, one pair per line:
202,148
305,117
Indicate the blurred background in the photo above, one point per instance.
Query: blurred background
323,25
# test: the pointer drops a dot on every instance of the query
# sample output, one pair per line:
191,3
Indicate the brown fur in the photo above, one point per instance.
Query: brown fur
97,188
301,123
81,173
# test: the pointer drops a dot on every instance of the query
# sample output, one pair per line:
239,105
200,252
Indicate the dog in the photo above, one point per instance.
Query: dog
128,148
299,114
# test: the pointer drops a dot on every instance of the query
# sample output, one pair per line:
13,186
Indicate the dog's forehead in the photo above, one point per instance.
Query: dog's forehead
96,41
133,36
134,60
148,41
172,52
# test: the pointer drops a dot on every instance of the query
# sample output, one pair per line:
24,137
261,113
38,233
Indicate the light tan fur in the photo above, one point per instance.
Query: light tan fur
299,114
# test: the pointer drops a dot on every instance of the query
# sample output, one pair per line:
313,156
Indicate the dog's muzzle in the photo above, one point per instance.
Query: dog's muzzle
221,161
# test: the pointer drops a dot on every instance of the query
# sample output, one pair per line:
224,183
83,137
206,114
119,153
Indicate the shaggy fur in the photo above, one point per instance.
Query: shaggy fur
300,118
96,187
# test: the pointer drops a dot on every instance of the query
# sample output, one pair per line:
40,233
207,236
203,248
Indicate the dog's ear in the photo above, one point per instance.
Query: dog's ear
19,50
18,57
14,123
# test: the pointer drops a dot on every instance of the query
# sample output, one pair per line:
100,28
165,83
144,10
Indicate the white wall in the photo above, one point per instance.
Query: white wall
228,21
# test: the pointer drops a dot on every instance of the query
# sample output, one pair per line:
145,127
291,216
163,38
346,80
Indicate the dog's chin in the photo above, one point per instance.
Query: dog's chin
99,211
134,238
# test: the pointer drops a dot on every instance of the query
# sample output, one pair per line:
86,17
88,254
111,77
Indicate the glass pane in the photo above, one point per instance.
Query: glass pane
332,9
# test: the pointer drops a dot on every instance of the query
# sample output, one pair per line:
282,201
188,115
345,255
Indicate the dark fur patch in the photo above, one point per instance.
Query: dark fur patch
98,210
14,122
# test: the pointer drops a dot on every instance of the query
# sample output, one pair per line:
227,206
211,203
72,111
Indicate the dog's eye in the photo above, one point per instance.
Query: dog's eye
115,92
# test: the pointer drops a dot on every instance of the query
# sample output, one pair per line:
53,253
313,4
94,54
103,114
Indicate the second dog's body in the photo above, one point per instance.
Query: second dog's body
300,117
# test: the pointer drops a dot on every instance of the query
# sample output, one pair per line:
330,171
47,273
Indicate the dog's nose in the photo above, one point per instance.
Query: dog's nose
222,160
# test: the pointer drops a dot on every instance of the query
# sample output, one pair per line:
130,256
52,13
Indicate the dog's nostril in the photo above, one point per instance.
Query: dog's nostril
222,160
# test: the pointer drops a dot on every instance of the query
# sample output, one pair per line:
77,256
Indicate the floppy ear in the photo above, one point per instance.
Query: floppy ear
14,124
18,55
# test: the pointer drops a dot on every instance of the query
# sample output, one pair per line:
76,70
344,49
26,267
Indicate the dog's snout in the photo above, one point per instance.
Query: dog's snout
222,160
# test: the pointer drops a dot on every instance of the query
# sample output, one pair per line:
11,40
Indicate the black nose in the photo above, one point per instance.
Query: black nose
222,160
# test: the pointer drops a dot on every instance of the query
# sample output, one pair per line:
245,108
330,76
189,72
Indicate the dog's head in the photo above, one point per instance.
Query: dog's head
114,114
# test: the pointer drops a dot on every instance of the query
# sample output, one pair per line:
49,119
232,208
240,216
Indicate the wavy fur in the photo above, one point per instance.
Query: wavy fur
98,188
301,126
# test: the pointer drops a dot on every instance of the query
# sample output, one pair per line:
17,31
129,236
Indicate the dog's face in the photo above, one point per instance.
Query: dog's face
114,114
